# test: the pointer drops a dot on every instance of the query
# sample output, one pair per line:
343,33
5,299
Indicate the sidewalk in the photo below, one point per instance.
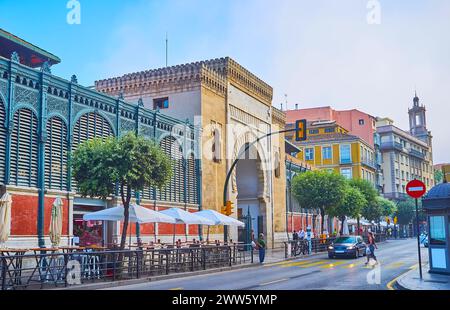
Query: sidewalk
411,280
272,256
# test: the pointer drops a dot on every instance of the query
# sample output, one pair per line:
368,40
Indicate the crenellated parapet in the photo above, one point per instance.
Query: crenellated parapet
212,74
278,117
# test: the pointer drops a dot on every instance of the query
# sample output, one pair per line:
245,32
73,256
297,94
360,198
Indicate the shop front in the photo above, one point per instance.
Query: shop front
89,233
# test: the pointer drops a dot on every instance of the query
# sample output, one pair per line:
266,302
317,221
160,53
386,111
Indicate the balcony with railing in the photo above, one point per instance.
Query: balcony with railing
368,163
417,154
391,145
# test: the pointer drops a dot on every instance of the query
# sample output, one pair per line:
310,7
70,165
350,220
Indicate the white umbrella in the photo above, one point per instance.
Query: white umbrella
219,219
137,214
55,230
184,217
5,218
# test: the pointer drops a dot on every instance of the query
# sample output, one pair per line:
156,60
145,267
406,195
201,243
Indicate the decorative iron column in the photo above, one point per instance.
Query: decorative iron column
9,125
42,138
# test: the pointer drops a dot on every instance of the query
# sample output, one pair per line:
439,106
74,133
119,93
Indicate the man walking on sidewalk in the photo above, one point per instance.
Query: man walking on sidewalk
261,244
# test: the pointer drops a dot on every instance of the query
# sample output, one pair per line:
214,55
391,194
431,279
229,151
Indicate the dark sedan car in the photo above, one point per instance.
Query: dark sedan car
352,246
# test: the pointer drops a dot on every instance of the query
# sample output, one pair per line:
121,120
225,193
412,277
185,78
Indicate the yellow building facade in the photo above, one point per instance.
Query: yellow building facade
330,147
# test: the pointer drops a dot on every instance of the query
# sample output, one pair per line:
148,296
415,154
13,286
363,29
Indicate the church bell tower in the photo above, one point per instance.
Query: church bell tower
418,121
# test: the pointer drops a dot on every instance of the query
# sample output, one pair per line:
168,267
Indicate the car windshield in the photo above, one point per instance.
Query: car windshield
345,240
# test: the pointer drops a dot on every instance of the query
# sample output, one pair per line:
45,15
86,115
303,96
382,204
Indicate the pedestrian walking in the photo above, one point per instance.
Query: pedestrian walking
302,234
372,246
261,244
295,236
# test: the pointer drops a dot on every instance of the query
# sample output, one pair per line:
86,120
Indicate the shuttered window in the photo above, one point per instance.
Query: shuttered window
56,154
24,149
2,141
174,190
191,180
89,126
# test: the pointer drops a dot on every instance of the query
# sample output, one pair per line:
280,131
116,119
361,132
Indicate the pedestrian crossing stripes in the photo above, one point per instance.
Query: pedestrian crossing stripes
332,264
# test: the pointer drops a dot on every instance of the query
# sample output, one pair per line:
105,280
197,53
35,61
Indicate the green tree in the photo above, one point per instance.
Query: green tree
438,176
351,205
388,208
130,162
320,190
370,211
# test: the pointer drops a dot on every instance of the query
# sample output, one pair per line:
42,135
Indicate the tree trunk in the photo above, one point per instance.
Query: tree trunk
126,206
357,226
342,225
322,222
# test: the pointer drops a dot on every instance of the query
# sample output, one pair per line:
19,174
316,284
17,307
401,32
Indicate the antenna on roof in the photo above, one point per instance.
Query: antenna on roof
167,49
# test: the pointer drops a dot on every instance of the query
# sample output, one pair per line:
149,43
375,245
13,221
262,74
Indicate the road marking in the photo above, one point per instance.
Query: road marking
280,263
331,265
176,289
298,263
353,265
275,281
414,266
314,264
394,265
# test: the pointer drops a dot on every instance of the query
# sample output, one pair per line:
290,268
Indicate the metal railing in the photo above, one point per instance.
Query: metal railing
301,247
46,270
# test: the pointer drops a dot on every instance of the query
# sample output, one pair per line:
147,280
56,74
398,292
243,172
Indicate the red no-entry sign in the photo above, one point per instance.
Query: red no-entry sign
415,189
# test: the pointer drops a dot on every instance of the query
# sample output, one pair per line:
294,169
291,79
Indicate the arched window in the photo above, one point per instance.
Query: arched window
2,140
174,191
56,154
89,126
24,149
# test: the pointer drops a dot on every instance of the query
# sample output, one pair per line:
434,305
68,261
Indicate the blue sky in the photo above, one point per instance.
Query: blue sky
318,52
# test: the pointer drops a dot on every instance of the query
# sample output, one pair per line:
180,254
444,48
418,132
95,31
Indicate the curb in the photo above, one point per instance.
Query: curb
112,284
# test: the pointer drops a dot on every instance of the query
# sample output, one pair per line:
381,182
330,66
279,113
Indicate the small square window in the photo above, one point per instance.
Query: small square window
161,103
361,122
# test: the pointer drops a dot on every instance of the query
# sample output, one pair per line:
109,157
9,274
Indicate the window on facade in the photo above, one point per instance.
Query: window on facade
346,173
361,122
345,151
313,131
309,154
161,103
216,147
326,152
437,230
329,129
277,164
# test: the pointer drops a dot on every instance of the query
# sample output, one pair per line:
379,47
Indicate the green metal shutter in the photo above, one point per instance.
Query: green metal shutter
191,181
89,126
2,141
174,191
24,149
56,154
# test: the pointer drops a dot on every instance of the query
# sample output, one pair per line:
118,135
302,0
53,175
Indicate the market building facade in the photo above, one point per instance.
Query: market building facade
43,118
232,107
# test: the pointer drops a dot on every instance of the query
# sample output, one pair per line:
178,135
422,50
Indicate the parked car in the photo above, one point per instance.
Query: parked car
348,246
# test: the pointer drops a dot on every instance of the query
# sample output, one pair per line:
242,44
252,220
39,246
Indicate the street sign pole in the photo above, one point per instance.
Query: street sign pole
417,189
418,238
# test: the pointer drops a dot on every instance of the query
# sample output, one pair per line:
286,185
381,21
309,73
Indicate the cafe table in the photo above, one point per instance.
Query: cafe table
45,264
12,260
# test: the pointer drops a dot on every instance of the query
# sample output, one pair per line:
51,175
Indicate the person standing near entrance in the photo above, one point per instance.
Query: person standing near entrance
261,244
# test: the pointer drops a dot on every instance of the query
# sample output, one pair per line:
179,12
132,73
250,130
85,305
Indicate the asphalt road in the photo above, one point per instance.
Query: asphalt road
316,272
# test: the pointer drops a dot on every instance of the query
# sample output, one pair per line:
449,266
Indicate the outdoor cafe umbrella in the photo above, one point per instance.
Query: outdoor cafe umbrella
55,230
137,214
219,219
345,228
184,217
5,218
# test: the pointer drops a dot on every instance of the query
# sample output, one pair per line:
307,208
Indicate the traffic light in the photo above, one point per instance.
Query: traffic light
395,220
300,130
388,221
224,210
229,208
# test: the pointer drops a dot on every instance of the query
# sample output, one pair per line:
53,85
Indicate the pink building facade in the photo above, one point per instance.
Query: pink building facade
356,122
